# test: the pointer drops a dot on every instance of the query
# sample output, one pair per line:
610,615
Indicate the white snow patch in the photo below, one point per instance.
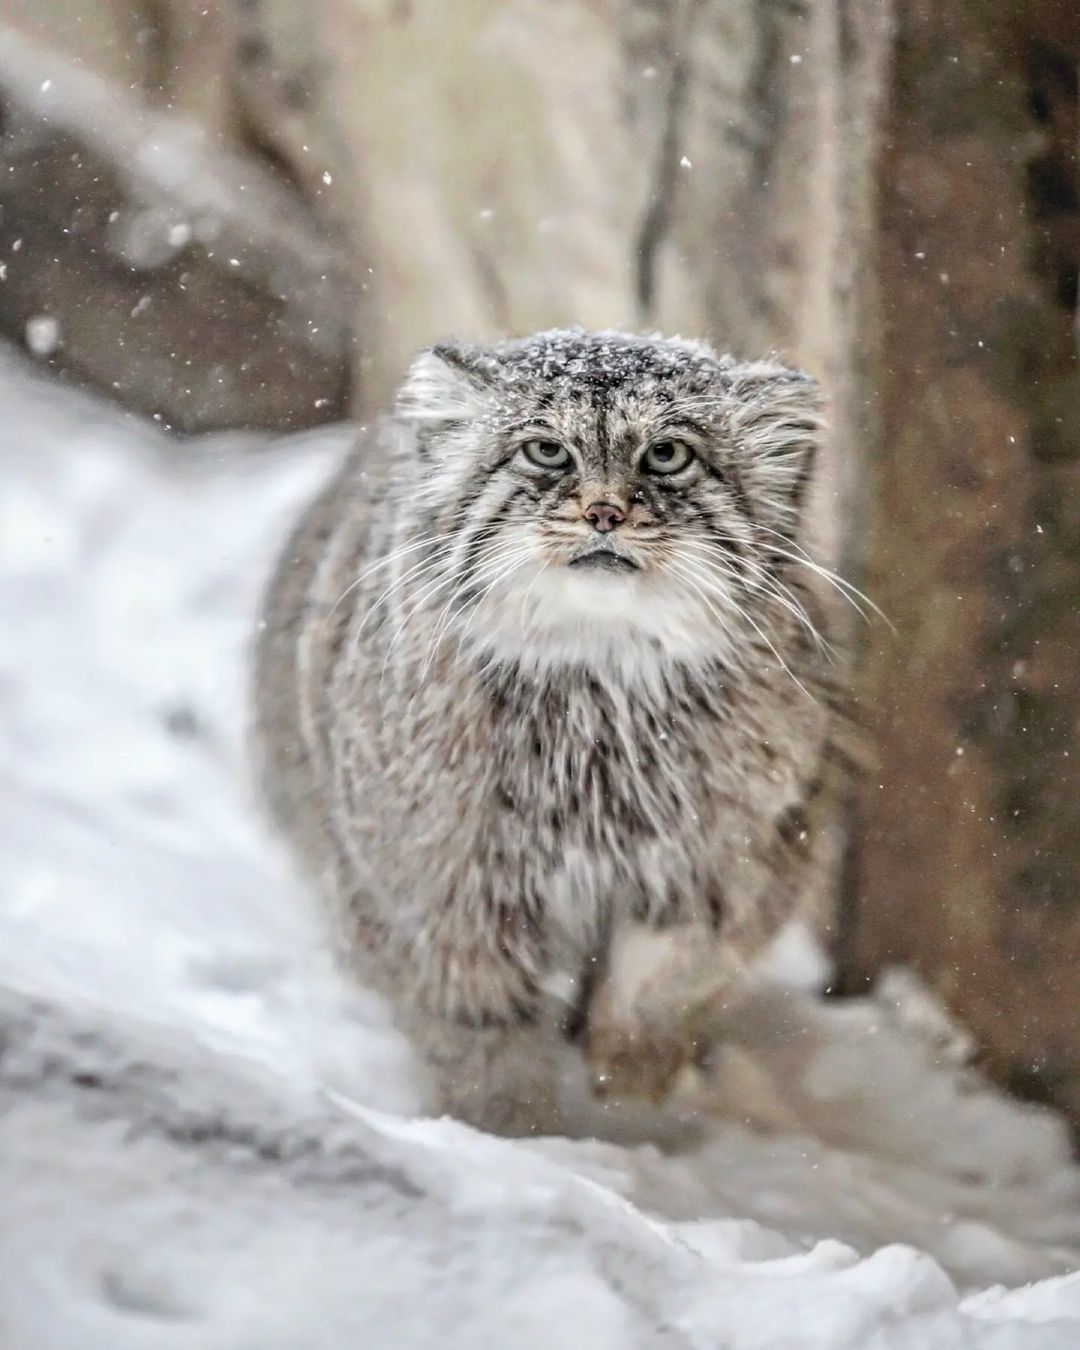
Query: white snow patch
239,1162
42,334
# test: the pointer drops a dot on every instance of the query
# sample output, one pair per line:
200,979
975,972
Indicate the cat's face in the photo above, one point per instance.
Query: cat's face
599,492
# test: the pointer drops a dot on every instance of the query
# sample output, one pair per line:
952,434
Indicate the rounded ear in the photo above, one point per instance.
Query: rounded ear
776,415
446,384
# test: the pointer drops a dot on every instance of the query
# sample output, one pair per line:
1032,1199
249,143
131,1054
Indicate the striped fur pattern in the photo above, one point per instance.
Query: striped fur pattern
553,779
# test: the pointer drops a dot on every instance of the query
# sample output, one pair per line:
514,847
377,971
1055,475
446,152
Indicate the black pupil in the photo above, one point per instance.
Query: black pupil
549,449
664,452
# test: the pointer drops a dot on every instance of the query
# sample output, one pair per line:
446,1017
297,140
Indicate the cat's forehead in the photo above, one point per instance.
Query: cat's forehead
612,419
584,383
577,364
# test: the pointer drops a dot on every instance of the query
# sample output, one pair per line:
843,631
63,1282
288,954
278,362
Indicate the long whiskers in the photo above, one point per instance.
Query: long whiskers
850,593
490,556
432,589
529,590
501,560
698,580
770,585
511,565
392,557
411,576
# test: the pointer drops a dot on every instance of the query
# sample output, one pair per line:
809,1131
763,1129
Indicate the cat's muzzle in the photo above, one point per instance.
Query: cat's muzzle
601,558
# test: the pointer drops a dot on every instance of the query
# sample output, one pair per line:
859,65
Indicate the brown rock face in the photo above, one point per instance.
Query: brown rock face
967,839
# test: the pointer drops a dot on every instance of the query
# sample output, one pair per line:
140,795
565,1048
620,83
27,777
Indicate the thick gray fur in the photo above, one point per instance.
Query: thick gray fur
544,796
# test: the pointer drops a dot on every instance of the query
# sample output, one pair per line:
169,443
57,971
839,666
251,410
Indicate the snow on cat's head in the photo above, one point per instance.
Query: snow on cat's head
605,497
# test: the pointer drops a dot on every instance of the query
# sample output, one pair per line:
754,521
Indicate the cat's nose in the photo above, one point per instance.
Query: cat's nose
604,516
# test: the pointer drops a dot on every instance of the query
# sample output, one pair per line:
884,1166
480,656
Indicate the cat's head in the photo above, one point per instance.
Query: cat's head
596,493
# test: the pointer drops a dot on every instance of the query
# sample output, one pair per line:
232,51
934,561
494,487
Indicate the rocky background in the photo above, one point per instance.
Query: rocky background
249,213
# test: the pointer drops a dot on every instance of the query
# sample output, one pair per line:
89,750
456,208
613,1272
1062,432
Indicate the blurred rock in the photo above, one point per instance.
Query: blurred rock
966,847
137,256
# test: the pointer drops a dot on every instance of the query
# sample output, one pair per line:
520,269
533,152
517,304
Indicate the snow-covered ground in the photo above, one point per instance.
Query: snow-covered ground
208,1140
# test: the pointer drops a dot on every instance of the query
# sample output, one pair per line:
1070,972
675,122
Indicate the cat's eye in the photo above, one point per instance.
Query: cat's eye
667,457
546,454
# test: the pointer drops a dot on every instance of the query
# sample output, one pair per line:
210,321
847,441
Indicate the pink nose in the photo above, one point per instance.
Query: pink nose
603,516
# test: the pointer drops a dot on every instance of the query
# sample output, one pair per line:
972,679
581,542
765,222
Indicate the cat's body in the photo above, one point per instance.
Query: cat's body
546,719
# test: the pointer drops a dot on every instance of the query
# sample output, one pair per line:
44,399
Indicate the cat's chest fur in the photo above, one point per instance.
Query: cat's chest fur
606,798
584,760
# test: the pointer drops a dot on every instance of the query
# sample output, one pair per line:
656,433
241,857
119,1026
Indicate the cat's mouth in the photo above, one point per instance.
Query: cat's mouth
603,560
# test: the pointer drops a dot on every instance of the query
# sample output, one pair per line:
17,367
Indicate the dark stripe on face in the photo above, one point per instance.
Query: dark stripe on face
680,425
714,528
545,398
474,490
471,493
556,489
478,541
603,433
731,480
507,455
478,481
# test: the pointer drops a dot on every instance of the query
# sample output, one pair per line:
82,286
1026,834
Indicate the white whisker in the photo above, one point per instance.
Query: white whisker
511,566
493,556
688,576
851,593
391,558
771,586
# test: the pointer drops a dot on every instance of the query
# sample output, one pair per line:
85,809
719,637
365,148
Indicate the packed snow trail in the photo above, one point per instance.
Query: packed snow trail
209,1139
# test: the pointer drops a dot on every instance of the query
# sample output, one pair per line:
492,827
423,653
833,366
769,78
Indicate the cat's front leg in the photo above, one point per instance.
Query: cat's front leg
496,1078
653,1012
475,1019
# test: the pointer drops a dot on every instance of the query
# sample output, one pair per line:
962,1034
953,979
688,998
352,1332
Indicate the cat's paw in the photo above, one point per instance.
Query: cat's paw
629,1060
534,1114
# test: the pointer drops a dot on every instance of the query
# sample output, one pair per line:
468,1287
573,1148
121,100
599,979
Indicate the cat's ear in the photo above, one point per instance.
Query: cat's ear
777,417
448,385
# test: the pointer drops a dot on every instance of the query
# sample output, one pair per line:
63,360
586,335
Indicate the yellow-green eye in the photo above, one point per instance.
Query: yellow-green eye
667,457
546,454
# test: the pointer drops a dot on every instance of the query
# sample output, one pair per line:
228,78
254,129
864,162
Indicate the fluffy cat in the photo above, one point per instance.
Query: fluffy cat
546,705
